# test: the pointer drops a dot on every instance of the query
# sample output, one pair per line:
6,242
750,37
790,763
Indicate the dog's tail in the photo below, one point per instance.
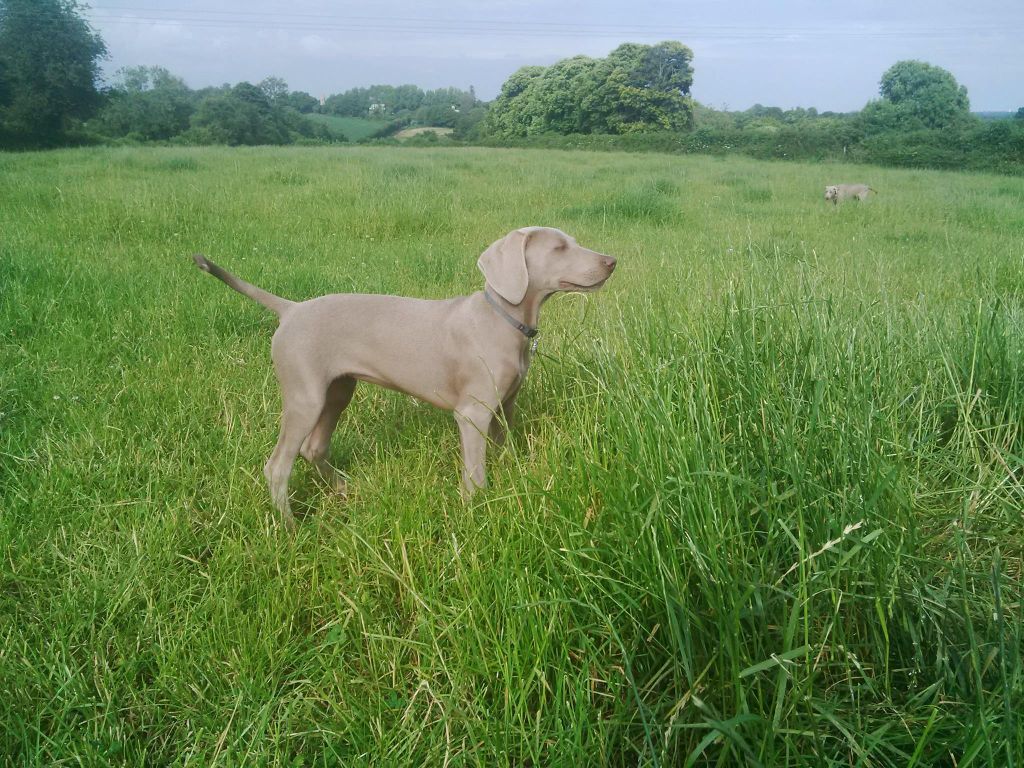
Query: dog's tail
873,190
268,300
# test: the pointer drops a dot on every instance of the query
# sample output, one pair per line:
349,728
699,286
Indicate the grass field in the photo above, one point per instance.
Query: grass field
352,128
763,504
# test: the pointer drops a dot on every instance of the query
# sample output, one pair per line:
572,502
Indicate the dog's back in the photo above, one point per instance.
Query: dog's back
836,193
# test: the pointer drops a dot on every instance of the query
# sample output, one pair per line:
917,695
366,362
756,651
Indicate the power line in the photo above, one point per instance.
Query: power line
621,33
307,22
330,23
276,16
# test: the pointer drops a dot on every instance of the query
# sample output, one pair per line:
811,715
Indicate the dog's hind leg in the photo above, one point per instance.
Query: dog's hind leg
300,415
318,442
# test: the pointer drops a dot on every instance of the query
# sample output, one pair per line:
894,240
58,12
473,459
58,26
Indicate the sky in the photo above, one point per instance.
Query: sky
787,53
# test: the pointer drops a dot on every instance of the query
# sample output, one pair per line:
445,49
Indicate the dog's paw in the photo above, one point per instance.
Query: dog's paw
338,485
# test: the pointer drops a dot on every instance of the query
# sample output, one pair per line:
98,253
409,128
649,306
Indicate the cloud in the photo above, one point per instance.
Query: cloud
319,47
744,52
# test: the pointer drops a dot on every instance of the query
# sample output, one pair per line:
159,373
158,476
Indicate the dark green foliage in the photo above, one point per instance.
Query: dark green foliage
995,146
439,107
398,107
151,104
49,65
274,88
147,104
443,106
443,115
924,95
648,87
915,97
240,115
879,135
636,89
5,86
507,113
300,101
352,103
469,125
923,119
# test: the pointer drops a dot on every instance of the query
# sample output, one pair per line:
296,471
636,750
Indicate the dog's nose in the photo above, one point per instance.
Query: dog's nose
609,262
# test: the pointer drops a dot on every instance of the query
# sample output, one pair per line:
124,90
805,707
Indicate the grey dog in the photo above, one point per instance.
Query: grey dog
838,192
468,354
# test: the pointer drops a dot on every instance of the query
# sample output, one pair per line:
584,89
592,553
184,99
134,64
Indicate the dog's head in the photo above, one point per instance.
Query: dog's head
831,193
542,259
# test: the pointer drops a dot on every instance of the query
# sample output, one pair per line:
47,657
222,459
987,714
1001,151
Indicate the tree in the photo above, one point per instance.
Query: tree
352,103
274,88
239,115
510,112
405,98
5,88
469,123
468,100
471,114
1018,116
49,63
663,67
918,95
647,88
443,115
300,101
563,98
636,88
147,104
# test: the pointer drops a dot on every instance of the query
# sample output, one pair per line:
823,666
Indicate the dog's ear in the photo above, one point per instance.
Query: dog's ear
504,266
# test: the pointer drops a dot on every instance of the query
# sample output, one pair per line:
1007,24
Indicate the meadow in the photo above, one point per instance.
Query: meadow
352,128
762,504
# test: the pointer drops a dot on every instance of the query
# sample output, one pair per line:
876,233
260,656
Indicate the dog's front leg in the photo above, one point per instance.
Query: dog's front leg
501,422
474,422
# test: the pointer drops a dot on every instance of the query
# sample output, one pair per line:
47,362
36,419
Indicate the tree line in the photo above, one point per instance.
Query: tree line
151,104
636,98
50,95
921,118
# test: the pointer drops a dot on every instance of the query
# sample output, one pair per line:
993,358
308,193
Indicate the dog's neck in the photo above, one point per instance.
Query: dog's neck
526,312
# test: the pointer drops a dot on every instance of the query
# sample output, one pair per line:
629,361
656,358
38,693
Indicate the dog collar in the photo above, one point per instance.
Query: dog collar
527,330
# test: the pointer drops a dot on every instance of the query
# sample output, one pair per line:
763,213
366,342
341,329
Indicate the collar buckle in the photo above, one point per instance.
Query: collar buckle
527,330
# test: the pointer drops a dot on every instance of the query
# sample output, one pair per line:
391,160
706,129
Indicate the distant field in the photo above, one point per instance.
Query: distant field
353,128
763,503
408,133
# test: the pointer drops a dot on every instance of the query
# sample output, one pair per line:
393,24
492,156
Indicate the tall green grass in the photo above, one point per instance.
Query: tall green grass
762,505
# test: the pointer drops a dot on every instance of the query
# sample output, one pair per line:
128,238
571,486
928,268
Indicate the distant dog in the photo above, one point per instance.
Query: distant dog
838,192
468,355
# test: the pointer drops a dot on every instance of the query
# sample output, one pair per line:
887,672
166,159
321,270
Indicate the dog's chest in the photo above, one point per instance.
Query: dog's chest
524,367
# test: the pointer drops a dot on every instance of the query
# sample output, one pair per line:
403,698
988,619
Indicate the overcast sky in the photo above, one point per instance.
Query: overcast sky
788,53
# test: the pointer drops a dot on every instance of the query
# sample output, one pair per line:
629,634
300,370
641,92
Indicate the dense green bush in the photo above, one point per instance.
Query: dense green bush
983,146
635,89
